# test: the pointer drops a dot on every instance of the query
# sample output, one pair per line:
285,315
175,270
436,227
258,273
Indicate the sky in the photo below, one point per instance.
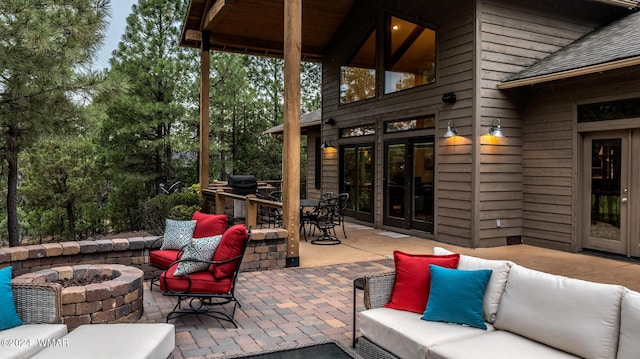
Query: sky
120,9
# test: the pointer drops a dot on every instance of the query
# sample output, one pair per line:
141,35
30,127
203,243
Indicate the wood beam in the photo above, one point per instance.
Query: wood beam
291,145
252,46
205,60
218,8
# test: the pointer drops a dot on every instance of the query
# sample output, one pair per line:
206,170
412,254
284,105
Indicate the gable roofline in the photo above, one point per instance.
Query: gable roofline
613,46
614,65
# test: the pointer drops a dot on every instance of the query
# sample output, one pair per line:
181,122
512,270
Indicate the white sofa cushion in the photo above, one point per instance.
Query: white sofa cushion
122,340
26,340
496,345
495,287
406,335
573,315
629,345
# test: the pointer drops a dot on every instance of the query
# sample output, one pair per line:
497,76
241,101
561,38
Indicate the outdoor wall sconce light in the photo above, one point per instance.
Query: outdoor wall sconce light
325,145
451,130
329,121
496,129
449,97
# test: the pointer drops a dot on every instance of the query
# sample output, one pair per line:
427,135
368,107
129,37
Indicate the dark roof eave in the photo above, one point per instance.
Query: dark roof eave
613,65
280,129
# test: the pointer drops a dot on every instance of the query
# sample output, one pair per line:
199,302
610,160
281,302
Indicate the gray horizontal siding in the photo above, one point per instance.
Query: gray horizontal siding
514,35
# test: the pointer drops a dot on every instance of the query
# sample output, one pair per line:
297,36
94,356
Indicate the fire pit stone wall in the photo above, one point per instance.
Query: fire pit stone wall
117,298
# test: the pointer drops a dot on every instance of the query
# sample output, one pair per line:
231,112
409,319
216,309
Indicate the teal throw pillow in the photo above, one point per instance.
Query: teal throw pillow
201,249
8,315
456,296
177,234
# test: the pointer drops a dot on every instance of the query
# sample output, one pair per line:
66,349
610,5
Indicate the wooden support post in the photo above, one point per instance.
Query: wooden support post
220,202
251,207
291,145
204,112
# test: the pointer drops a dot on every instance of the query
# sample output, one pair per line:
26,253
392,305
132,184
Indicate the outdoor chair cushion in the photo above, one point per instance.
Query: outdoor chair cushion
177,234
629,346
573,315
413,279
200,249
406,336
495,287
202,282
456,296
8,314
29,339
209,225
231,246
115,340
163,258
498,344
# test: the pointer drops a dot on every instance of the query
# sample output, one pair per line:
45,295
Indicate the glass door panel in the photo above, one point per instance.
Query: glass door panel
409,168
365,179
349,176
356,172
396,181
607,192
422,189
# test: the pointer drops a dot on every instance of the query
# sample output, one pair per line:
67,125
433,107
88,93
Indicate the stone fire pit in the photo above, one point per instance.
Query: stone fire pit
115,299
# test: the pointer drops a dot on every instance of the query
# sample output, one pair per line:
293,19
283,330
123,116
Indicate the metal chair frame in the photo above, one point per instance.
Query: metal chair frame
324,219
207,303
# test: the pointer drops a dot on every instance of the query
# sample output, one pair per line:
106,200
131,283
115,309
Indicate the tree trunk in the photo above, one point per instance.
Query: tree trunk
72,221
12,190
159,173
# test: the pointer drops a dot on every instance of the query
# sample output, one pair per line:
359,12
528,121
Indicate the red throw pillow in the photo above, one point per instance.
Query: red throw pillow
231,245
413,279
209,225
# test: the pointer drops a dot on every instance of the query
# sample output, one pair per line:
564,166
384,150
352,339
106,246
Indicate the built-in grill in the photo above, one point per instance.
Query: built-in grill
243,184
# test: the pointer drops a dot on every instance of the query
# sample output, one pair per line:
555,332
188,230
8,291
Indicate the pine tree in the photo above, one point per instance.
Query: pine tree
46,49
137,133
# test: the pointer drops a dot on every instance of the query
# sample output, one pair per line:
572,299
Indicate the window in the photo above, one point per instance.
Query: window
357,131
612,110
410,125
410,55
358,76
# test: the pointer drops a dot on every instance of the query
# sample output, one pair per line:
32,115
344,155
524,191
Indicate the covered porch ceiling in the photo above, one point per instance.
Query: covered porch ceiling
257,26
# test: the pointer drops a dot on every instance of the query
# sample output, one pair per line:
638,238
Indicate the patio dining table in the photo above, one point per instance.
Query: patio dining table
309,203
306,203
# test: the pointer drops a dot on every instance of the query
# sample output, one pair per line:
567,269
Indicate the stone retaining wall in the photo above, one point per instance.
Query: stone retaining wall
267,250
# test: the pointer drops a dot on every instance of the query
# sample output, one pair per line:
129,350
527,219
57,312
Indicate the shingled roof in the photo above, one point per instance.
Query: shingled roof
613,46
310,119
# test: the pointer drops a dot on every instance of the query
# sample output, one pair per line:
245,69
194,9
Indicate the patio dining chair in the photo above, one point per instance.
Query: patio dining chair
270,216
324,219
275,196
204,280
326,195
343,198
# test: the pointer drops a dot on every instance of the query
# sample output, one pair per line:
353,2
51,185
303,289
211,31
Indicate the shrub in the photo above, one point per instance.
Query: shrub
179,206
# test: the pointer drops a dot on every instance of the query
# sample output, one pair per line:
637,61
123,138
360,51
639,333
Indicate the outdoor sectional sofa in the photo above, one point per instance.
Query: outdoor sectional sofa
41,336
528,314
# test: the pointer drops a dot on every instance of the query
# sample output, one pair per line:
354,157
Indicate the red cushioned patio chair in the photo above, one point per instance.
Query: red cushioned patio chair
205,291
207,225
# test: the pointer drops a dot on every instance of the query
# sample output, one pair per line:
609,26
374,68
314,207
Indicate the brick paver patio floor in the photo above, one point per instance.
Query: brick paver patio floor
280,308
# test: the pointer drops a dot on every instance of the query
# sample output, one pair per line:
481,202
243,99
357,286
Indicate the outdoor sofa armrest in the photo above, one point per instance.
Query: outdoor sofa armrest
38,303
377,289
